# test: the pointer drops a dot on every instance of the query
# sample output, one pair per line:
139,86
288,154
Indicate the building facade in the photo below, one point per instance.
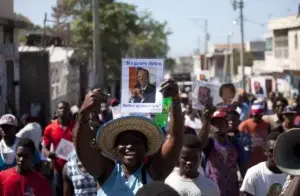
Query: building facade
282,44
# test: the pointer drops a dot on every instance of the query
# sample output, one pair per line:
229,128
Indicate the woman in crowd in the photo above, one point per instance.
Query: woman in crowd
129,140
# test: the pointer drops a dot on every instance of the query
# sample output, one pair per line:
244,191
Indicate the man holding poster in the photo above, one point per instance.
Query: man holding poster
143,91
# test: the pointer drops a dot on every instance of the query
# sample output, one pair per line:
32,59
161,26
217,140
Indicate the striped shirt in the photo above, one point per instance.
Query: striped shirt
83,183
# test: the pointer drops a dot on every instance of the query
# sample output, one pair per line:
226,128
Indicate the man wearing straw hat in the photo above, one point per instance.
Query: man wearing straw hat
128,141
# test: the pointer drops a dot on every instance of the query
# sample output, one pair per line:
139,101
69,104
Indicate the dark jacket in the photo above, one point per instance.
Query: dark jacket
148,94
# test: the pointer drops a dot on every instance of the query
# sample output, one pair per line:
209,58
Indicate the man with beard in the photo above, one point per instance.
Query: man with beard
60,129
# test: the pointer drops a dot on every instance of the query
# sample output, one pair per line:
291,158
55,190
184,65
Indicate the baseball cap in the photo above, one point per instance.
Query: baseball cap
289,110
257,109
9,119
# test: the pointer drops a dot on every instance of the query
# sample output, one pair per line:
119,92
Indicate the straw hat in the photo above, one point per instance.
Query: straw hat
107,134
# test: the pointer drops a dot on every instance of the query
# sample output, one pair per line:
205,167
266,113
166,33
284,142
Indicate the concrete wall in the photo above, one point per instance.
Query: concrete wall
7,8
65,84
34,84
293,49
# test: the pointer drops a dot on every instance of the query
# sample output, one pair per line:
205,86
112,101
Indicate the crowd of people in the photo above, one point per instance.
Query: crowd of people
223,150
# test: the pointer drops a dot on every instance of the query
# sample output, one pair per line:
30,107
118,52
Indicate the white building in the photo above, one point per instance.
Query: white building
9,66
282,44
282,59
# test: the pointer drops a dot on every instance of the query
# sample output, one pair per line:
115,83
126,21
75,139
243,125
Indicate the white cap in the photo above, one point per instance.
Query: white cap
9,119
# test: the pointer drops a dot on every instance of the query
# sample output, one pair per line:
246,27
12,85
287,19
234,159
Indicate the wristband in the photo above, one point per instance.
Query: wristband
176,103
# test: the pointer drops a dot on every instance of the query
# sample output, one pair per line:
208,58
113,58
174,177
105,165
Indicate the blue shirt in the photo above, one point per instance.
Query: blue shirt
117,184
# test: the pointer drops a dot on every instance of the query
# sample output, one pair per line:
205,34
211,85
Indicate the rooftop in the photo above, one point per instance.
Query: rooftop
284,23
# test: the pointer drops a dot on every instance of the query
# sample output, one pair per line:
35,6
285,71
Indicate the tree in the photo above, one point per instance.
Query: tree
124,32
170,64
151,41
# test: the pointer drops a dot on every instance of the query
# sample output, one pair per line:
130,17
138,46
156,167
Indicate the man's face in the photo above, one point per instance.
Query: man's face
24,158
279,107
8,131
143,77
189,161
233,121
269,150
227,95
221,126
63,110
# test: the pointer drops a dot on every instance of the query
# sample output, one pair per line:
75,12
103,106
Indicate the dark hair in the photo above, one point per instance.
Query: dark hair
64,103
283,100
27,118
191,141
157,188
234,113
228,85
273,136
142,69
28,143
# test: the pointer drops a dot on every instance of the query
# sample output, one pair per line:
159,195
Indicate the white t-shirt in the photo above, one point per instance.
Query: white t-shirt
8,153
200,186
32,131
194,124
260,181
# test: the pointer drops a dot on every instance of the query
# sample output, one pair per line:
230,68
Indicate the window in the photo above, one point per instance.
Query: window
296,41
269,44
8,35
281,47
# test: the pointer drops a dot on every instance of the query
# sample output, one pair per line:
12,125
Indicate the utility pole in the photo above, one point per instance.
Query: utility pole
97,58
206,38
240,5
206,42
44,32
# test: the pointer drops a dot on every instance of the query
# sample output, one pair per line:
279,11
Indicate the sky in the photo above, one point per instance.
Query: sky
186,18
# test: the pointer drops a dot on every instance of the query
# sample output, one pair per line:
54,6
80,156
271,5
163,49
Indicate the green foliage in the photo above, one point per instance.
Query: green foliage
169,64
124,32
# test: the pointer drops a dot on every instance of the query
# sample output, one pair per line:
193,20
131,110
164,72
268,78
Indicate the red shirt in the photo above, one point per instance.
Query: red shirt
53,133
15,184
259,133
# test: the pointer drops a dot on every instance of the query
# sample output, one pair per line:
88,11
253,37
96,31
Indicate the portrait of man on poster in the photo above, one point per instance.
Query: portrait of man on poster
143,91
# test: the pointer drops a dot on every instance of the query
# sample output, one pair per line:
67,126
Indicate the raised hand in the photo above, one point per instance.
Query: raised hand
169,88
93,100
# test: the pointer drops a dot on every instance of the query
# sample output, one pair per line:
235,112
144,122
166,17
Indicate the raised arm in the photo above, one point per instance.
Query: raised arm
206,127
92,159
162,164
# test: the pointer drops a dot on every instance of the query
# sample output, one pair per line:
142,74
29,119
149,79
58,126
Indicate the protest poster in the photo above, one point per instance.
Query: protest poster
140,85
203,94
64,149
258,86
